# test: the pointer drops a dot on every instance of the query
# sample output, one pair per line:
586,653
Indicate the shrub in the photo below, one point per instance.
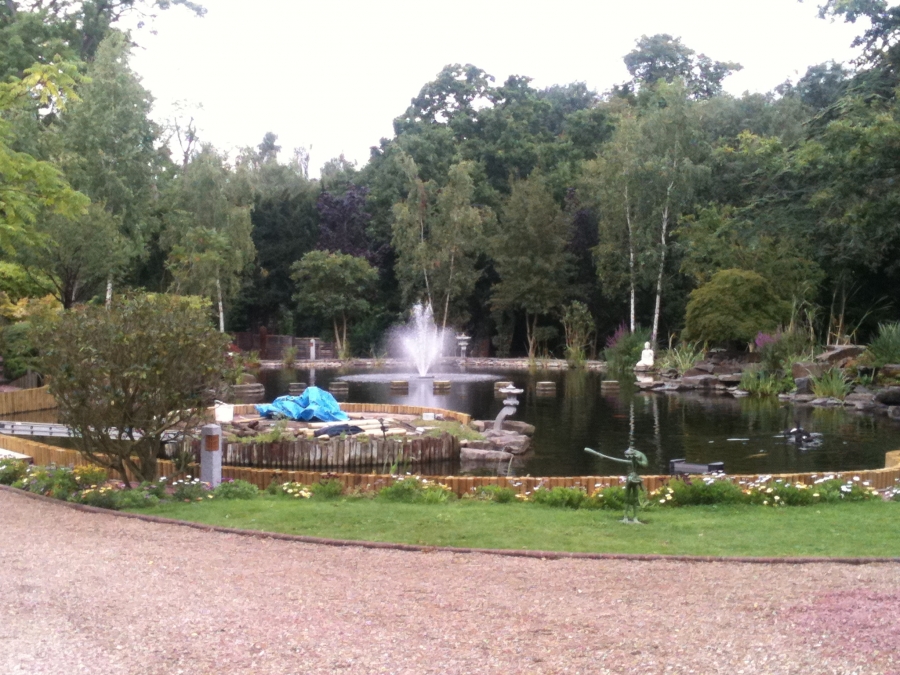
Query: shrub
289,489
885,348
708,490
682,357
155,489
414,489
11,471
560,497
190,490
236,489
579,326
327,489
496,493
87,475
623,348
104,497
831,384
732,307
760,383
137,498
779,351
611,497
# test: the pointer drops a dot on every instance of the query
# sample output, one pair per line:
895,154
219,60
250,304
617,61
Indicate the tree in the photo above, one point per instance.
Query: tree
207,234
30,185
733,307
334,286
436,233
529,255
126,376
664,58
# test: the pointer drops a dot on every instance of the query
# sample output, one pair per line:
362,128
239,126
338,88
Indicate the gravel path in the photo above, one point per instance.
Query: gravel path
94,593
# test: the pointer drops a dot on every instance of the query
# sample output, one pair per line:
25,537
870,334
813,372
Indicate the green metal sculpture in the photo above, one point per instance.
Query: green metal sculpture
634,484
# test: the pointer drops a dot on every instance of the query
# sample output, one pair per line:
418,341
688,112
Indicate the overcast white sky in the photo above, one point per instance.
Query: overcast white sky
333,74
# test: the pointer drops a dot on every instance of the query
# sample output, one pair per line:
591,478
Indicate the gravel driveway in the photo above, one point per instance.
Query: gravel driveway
95,593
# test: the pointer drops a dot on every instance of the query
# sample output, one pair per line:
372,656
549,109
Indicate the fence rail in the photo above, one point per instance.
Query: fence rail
26,400
47,454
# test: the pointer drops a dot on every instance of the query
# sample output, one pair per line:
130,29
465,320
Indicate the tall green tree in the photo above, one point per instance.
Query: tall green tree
437,233
207,234
335,287
529,252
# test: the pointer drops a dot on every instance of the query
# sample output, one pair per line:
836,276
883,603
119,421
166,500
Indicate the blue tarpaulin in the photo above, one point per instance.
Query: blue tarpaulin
313,403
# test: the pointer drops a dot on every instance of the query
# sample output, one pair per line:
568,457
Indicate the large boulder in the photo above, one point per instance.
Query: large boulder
803,384
890,371
807,369
468,454
839,353
704,380
889,396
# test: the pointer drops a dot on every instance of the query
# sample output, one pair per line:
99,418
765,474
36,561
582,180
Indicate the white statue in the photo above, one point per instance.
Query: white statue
646,357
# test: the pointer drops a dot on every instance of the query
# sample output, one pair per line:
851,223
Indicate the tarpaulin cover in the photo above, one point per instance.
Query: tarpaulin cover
313,403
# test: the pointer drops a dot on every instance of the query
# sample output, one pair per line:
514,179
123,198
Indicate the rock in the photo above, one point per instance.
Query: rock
894,412
699,369
727,368
807,369
803,384
248,378
705,380
729,378
669,373
512,443
858,397
522,428
472,454
653,384
889,396
803,398
739,393
480,425
891,371
827,402
839,353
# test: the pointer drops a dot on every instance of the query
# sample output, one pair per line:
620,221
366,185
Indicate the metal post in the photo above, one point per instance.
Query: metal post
312,349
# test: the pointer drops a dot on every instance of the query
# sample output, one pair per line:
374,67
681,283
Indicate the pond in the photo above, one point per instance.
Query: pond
742,433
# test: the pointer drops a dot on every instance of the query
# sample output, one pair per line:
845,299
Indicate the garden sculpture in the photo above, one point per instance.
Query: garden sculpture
634,484
646,357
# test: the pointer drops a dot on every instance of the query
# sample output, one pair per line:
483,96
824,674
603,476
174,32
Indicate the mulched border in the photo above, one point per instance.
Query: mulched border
514,553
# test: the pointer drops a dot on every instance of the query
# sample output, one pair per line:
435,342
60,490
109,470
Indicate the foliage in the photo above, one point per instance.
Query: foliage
327,489
452,427
885,347
191,489
623,348
732,308
779,351
334,286
289,357
682,357
11,471
529,252
831,384
560,497
127,375
759,382
235,489
495,493
104,497
414,489
579,326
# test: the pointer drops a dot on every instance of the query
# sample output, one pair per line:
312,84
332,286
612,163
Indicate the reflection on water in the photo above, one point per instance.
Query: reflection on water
695,427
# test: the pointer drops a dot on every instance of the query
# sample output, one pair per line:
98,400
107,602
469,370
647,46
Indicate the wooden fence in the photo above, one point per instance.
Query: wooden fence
26,400
374,408
345,454
47,454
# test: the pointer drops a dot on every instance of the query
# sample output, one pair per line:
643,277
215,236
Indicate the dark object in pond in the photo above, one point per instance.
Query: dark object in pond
338,429
802,438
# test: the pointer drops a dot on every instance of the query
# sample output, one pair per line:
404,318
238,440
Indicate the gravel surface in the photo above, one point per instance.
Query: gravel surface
95,593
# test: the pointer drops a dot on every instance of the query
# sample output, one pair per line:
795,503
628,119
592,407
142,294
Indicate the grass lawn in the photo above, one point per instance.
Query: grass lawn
838,530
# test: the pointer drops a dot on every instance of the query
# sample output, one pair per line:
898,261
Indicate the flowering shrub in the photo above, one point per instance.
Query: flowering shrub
105,497
190,490
495,493
88,474
236,489
710,490
11,470
560,497
290,489
415,489
327,489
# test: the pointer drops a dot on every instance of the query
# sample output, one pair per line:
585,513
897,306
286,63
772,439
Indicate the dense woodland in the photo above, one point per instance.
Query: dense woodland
523,215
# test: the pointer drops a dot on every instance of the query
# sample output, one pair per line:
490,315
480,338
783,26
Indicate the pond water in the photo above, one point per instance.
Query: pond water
697,427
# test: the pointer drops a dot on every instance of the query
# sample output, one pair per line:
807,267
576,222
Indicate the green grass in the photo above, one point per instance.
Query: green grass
836,530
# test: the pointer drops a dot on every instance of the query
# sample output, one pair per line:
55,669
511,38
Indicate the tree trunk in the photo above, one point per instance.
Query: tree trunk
447,299
337,336
108,291
221,306
530,329
662,264
631,280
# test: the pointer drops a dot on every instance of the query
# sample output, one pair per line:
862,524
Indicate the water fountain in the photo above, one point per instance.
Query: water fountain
423,340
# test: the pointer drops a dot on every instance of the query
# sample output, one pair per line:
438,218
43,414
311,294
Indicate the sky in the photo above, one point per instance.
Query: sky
331,75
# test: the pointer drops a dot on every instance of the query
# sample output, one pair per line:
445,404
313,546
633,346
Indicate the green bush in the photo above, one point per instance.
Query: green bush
611,497
104,497
885,348
560,497
681,358
831,384
190,490
702,491
327,489
496,493
414,489
732,307
760,383
11,471
236,489
623,349
138,498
